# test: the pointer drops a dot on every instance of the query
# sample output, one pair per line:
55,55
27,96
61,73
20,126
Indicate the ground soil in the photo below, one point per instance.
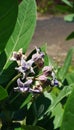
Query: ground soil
53,31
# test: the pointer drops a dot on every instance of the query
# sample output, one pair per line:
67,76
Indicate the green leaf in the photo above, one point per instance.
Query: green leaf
55,106
68,3
3,59
54,110
70,78
63,71
24,100
8,16
3,93
38,109
70,36
24,28
21,35
68,118
8,74
57,118
50,96
69,18
63,93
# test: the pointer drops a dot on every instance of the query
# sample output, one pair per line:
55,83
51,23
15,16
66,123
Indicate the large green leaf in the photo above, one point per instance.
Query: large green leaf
55,108
24,28
55,100
8,16
3,93
63,71
68,118
64,93
21,36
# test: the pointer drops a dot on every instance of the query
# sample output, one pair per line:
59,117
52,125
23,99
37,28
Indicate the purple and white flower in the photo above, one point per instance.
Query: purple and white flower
23,87
26,67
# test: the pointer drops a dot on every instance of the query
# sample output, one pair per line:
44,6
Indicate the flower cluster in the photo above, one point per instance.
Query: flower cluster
30,81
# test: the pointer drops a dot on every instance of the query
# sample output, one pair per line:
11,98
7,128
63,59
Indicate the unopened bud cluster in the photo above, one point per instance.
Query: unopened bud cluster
30,81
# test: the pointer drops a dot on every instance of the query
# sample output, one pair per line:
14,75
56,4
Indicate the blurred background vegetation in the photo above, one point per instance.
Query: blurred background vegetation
54,6
48,6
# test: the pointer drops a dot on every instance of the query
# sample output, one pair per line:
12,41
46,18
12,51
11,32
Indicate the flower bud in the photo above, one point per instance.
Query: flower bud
47,70
40,63
42,78
17,56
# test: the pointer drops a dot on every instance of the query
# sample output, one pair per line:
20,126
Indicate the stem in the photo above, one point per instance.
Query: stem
35,110
35,121
14,98
16,77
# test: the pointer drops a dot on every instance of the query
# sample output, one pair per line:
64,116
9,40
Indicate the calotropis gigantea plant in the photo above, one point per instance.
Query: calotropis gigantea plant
33,89
27,69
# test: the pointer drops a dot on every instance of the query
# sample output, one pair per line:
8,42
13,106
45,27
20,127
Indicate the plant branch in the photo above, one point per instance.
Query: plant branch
35,110
16,77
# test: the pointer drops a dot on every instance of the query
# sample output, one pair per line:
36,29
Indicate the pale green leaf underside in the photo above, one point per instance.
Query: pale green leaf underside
57,118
